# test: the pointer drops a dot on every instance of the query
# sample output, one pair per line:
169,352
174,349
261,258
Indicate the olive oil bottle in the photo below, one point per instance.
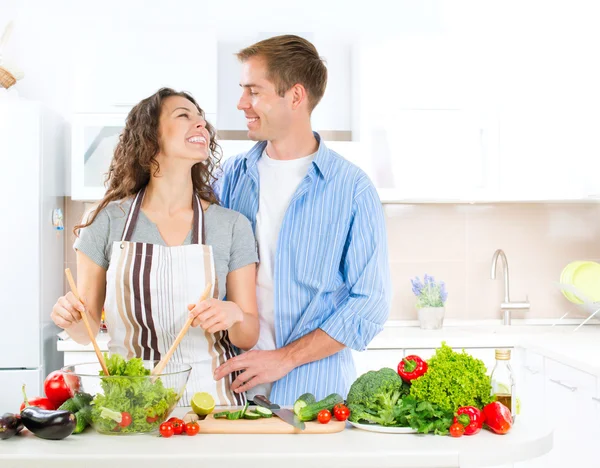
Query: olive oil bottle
503,381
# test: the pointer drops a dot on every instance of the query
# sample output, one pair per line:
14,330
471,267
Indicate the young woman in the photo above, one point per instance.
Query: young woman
155,241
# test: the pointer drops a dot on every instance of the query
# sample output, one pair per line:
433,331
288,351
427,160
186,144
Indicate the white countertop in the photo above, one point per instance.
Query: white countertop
347,449
578,349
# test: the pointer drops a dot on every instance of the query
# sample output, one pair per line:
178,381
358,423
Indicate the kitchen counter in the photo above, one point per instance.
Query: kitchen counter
561,343
349,448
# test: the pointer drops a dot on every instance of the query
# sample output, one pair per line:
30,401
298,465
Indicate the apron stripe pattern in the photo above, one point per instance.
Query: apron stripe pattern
148,289
123,259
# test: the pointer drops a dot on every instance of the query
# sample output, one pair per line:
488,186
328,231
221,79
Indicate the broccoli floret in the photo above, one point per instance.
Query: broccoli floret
374,395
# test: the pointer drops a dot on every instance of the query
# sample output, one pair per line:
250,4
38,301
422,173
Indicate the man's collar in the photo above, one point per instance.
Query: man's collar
322,161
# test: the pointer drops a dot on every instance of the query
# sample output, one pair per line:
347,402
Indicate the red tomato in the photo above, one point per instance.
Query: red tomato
457,430
324,416
178,425
151,420
166,429
125,419
57,389
341,412
192,428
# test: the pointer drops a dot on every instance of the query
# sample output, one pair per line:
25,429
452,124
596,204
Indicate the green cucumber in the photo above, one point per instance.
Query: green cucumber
221,415
264,412
310,412
244,409
302,401
69,405
251,415
234,415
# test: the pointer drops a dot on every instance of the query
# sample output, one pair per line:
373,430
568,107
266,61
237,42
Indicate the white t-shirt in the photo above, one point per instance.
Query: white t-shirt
278,181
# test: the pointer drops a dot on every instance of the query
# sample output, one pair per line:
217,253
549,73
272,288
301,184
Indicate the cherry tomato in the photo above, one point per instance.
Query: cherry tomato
457,430
166,429
125,419
341,412
58,388
151,420
178,425
192,428
324,416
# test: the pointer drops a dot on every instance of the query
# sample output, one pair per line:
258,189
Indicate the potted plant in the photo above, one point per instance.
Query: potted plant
431,299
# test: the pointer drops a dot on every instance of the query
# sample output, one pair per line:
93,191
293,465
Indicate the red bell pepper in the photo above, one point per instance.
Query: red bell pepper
497,417
470,417
40,402
411,368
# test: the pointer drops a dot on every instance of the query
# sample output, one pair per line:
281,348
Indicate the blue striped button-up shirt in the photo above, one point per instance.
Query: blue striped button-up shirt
331,264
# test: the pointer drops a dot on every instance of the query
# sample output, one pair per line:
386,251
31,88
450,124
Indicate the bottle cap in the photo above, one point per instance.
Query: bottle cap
503,354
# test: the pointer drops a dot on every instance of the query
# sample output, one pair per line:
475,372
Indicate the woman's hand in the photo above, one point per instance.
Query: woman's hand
67,311
214,315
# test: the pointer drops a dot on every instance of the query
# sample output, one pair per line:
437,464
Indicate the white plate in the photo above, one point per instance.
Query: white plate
384,429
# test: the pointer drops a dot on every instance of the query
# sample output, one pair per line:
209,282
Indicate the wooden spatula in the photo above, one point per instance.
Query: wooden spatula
91,334
163,362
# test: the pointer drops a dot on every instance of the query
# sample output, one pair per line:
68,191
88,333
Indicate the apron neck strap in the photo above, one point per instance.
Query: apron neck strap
132,216
198,226
134,212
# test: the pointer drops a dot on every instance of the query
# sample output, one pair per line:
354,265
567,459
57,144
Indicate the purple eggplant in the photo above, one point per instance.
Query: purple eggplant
10,425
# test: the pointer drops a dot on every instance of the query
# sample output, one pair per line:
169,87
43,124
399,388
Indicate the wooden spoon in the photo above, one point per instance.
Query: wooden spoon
86,322
163,362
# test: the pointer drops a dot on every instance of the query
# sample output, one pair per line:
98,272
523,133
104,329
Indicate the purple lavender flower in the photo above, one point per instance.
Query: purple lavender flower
417,286
428,280
429,293
443,292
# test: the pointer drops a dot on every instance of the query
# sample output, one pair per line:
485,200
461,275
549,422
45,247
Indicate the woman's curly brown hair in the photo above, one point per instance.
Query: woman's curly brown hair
135,155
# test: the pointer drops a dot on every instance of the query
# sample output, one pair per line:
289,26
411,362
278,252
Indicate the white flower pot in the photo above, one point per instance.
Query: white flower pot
431,318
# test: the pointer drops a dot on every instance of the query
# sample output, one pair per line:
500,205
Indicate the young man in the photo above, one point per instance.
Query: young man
323,280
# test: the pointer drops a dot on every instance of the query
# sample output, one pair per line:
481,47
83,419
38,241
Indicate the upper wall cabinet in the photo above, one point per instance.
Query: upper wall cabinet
493,103
117,66
429,133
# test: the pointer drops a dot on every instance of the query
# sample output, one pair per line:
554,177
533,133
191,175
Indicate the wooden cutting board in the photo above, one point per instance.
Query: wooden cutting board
273,425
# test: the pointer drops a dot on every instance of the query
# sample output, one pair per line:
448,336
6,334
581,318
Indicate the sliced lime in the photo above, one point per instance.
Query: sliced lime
203,403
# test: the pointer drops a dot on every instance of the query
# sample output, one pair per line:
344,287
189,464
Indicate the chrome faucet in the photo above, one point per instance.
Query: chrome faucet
506,306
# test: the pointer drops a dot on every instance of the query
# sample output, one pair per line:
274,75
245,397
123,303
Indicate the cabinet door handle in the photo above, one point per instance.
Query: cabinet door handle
558,382
532,371
596,399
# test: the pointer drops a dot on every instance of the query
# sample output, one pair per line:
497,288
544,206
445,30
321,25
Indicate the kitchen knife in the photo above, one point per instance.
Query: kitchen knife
285,414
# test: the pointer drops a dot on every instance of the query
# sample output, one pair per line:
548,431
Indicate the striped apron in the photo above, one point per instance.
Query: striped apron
148,288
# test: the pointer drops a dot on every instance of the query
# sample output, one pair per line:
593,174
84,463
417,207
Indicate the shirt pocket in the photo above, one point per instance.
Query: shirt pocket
319,258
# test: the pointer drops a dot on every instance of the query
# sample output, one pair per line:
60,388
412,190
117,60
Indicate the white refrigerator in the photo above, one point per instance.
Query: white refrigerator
32,187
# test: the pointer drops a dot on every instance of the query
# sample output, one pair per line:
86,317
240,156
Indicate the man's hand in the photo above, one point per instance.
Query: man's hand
256,367
214,315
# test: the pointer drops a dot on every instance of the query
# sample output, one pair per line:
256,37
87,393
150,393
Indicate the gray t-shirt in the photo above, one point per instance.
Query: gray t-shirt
228,231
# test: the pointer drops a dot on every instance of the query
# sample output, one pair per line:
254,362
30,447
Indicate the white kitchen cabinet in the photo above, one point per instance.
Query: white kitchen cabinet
548,155
530,386
430,135
116,65
568,408
375,359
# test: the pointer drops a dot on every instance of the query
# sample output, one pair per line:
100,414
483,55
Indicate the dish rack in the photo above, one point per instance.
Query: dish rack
590,307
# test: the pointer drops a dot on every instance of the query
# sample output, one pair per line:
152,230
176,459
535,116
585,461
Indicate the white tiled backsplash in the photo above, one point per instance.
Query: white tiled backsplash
455,243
